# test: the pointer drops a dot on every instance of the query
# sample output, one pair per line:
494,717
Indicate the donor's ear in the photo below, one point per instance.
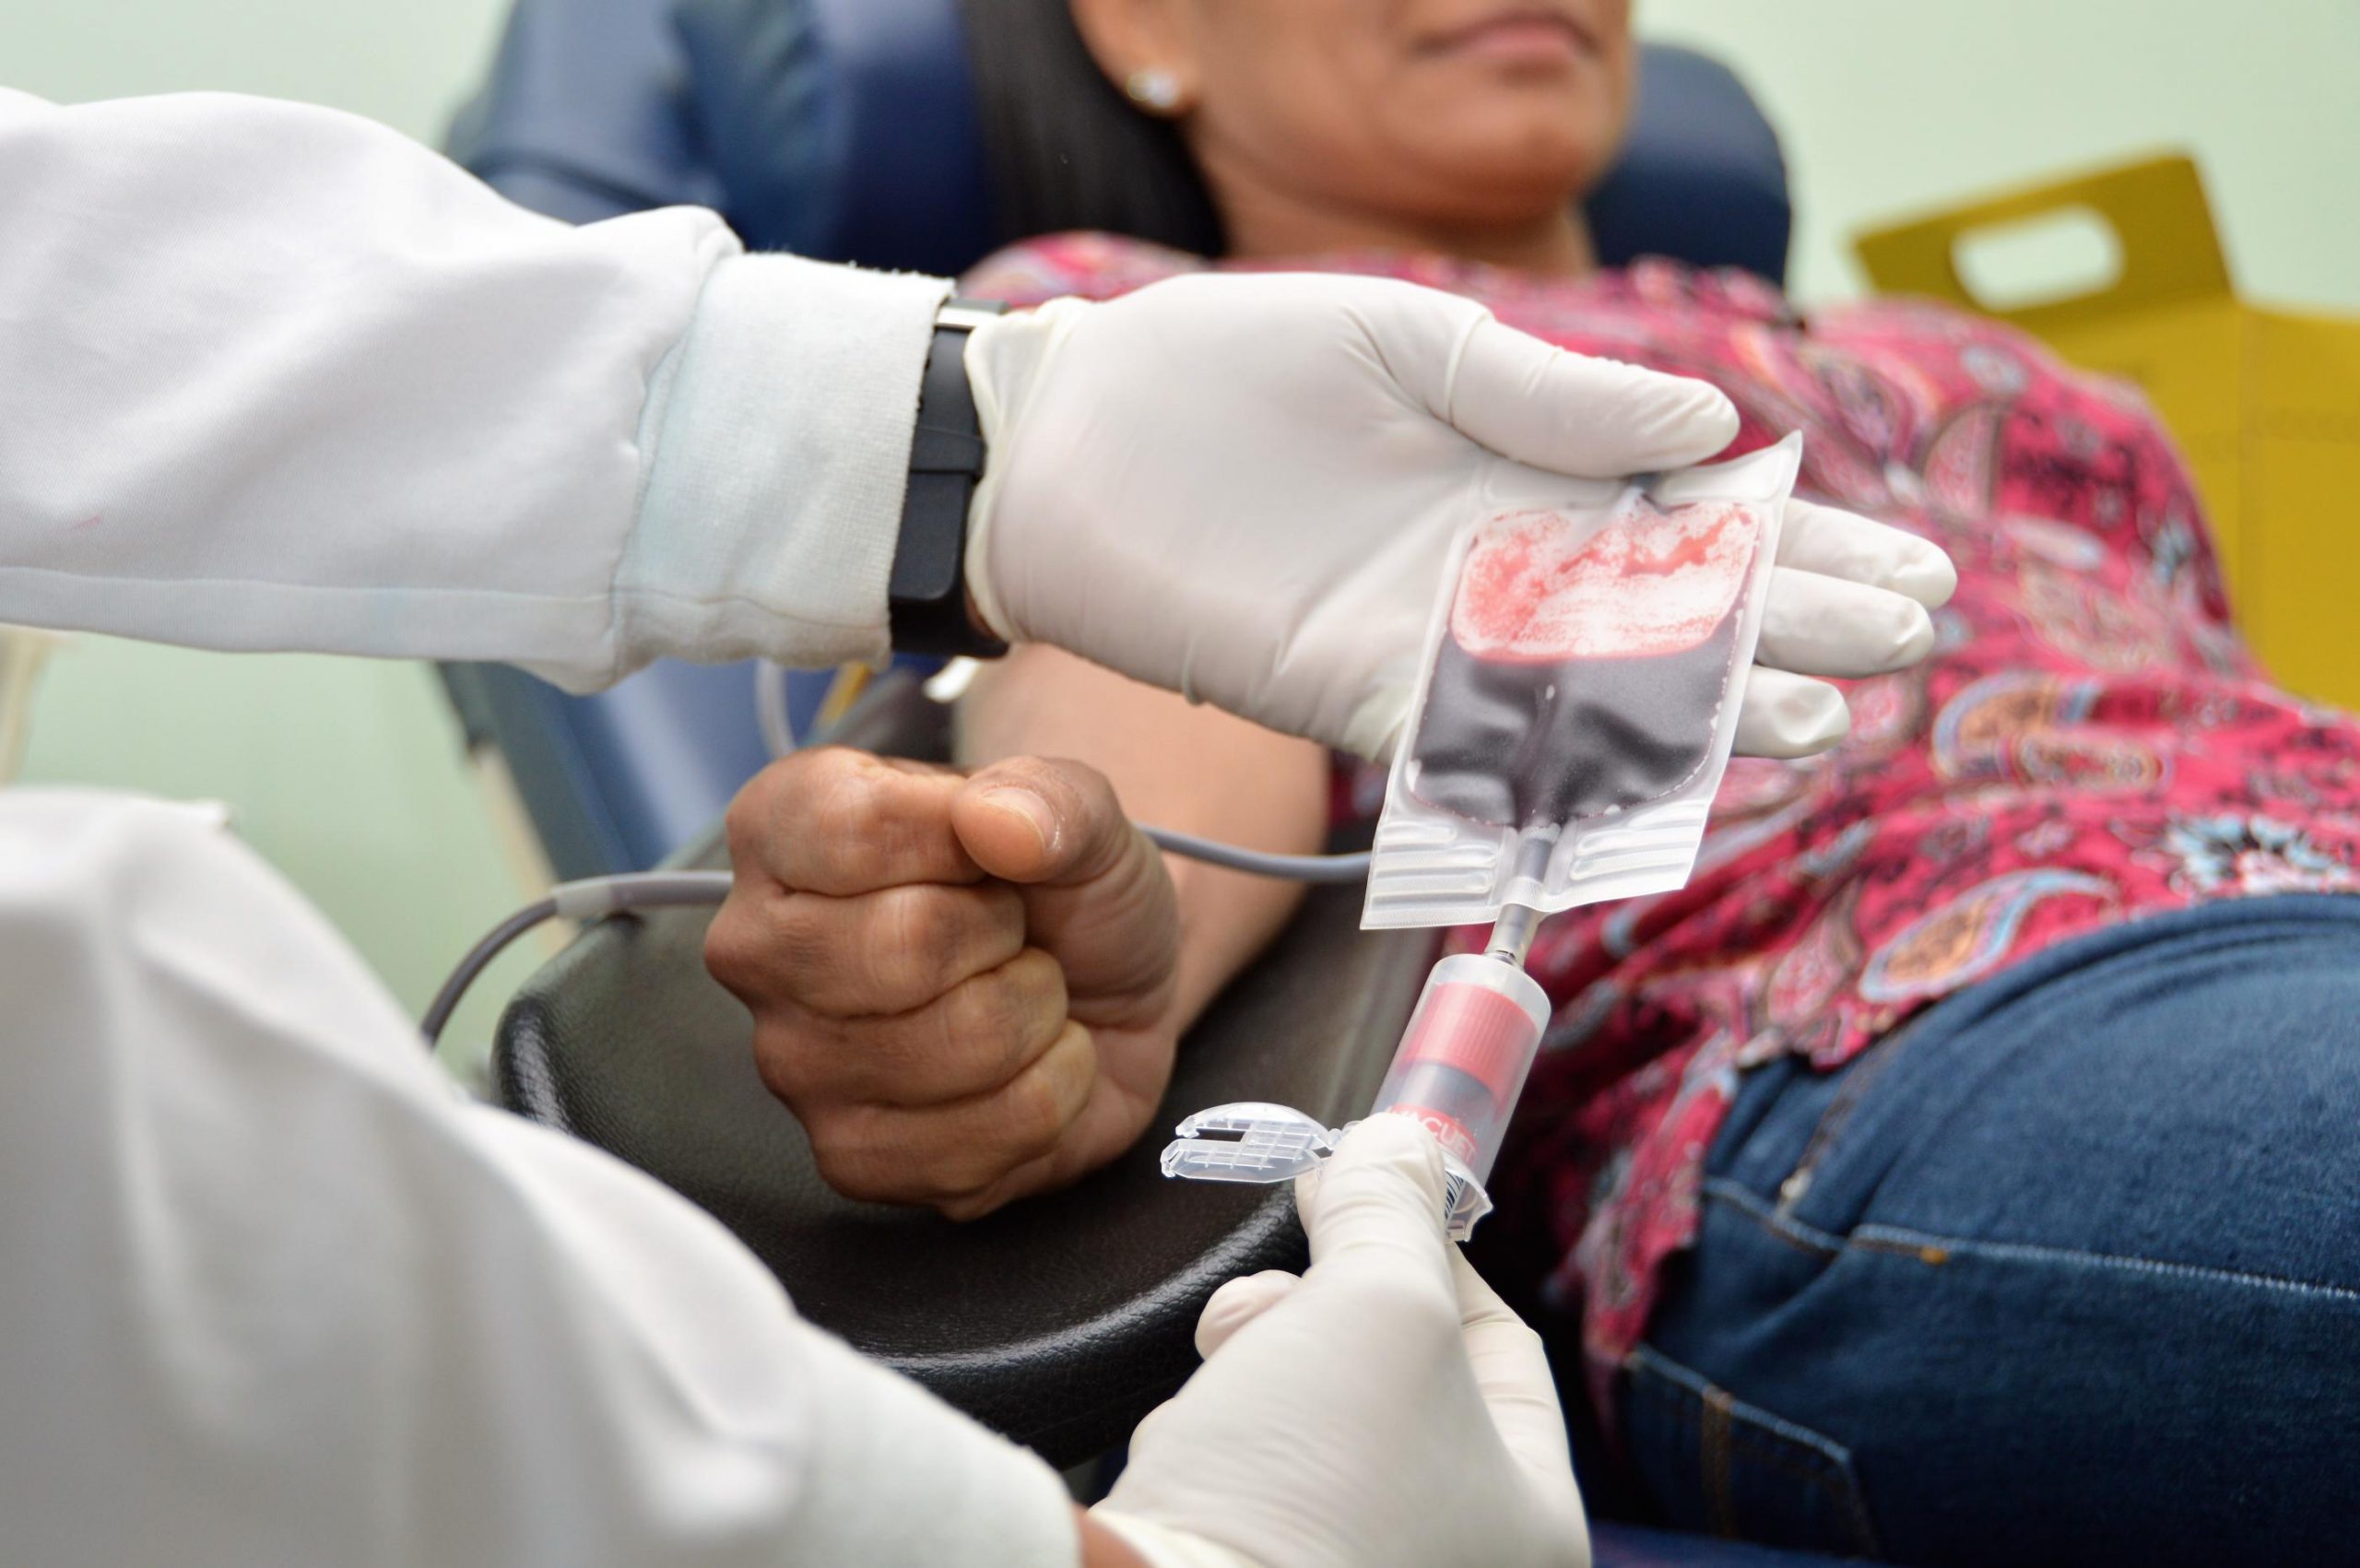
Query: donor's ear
1145,47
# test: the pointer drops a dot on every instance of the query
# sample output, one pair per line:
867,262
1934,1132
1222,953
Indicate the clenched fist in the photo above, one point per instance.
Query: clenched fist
965,985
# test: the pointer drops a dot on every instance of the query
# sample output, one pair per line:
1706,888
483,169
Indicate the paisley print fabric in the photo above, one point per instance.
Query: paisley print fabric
2090,743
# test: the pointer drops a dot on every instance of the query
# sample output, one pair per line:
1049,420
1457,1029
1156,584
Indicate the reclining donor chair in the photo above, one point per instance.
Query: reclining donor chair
850,130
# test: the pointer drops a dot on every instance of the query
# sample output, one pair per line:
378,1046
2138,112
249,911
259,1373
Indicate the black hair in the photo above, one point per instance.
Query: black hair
1065,147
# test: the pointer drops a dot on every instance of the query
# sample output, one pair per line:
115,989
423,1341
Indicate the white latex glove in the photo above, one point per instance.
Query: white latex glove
1385,1409
1243,488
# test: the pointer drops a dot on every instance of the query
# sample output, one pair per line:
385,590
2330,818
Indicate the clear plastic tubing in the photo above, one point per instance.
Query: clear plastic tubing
1463,1059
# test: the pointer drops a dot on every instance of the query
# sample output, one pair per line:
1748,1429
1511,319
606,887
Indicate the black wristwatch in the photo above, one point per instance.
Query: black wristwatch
927,597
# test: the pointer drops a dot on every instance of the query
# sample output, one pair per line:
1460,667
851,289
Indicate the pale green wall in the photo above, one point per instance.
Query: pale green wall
348,775
1889,106
407,64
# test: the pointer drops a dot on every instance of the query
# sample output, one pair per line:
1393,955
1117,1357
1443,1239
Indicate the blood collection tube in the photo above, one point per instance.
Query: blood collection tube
1458,1070
1462,1061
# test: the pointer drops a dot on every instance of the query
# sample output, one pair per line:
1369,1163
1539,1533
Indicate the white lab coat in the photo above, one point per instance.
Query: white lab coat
275,377
271,1292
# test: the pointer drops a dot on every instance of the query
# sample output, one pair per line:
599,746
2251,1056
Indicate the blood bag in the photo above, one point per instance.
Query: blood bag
1579,695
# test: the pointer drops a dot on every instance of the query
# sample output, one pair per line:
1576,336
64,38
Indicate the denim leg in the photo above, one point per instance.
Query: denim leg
2065,1271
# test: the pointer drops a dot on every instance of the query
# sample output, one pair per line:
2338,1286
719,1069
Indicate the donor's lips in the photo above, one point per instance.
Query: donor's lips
1519,31
1582,675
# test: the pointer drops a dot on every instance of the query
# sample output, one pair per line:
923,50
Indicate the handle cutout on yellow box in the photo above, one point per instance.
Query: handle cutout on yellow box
2161,225
2044,260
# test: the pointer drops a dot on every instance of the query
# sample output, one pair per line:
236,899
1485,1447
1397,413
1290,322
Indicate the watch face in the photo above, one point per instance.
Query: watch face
965,315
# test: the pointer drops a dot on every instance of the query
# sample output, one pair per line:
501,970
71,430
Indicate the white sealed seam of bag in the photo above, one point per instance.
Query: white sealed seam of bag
1580,692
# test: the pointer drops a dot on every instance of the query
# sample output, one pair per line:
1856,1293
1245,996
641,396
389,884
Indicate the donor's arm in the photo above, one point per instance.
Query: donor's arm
969,982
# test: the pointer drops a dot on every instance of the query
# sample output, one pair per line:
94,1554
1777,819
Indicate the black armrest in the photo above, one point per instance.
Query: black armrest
1059,1321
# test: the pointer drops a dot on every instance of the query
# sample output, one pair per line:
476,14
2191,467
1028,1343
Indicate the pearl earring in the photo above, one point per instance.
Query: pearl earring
1154,89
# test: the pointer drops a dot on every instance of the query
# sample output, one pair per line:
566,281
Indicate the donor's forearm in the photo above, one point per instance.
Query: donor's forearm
1174,765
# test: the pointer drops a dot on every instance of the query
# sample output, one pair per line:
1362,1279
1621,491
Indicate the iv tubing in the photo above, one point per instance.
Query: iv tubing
594,896
1512,935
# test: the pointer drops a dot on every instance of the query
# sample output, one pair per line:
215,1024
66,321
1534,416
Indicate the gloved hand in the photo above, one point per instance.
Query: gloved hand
964,987
1244,489
1385,1409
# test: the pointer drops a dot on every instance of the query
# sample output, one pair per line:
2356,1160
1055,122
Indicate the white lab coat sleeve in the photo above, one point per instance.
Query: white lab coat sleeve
278,377
272,1292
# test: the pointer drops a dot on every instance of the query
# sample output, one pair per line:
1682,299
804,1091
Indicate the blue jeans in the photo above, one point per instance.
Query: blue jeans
2066,1270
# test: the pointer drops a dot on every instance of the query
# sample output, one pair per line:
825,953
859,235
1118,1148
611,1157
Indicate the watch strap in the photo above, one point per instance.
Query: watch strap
927,595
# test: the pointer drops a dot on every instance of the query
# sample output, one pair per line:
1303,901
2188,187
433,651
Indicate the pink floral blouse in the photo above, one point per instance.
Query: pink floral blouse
2091,741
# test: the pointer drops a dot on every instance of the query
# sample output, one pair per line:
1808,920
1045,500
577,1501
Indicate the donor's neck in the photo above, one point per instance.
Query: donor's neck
1261,226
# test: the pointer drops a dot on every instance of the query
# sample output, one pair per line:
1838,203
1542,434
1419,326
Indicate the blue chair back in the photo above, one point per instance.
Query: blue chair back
848,130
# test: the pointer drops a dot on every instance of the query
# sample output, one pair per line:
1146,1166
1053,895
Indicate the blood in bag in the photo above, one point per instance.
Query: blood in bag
1584,668
1580,675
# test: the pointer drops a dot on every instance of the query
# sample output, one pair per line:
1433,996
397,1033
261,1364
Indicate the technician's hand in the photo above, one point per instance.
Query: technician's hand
1243,488
1385,1409
962,985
